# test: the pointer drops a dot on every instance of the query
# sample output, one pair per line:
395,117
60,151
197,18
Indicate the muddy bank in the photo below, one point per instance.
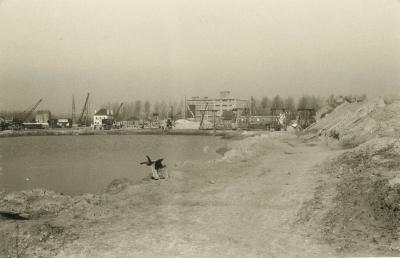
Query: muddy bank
76,132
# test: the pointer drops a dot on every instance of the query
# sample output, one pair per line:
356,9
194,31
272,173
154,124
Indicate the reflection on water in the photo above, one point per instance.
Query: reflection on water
79,164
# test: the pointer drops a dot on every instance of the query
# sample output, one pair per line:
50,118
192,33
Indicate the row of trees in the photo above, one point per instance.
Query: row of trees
145,109
264,105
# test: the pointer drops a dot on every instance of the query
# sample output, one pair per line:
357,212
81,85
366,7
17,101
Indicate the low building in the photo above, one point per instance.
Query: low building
43,116
200,108
64,123
101,115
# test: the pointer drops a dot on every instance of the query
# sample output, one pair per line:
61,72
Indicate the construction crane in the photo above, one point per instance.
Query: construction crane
18,121
84,110
29,113
118,110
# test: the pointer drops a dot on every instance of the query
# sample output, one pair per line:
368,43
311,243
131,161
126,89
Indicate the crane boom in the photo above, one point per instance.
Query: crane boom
84,108
119,110
31,111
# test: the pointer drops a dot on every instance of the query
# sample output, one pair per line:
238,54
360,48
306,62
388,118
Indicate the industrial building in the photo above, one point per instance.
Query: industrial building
199,108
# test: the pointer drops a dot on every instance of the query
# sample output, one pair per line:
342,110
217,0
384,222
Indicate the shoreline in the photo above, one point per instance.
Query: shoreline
84,131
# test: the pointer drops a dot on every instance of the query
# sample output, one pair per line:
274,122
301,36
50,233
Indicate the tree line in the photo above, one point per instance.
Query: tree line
138,109
265,105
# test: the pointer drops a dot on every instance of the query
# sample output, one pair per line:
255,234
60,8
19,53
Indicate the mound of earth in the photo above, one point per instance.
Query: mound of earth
358,122
357,206
186,124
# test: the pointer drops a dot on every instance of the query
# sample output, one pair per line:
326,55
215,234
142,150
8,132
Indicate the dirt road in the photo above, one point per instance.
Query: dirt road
242,206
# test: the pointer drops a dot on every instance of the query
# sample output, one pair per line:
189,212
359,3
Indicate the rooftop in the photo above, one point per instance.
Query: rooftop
103,112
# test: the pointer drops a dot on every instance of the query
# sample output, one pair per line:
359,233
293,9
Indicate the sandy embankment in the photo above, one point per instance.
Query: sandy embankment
355,207
241,205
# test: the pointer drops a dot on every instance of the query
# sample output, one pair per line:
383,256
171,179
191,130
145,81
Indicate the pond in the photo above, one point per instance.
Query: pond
87,164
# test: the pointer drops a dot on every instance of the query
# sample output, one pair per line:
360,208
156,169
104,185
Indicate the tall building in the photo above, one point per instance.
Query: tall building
196,107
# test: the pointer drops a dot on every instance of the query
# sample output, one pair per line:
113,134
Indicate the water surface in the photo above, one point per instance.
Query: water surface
81,164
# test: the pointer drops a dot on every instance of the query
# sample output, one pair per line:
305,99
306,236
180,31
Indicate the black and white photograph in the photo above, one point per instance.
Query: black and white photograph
199,128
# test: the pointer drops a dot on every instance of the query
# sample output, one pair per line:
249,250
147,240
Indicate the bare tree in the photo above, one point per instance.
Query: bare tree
310,102
147,109
164,110
137,111
157,107
302,103
277,103
289,104
253,106
180,109
265,106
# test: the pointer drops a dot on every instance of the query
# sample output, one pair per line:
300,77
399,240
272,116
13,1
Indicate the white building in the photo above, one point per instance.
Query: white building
198,106
100,115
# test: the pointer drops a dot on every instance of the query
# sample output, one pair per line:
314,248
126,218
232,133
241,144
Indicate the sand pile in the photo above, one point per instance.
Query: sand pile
355,123
186,124
41,203
253,146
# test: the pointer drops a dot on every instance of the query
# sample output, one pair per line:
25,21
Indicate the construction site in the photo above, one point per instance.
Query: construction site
222,113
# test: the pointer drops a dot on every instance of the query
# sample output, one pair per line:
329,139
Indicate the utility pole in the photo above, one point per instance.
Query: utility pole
214,111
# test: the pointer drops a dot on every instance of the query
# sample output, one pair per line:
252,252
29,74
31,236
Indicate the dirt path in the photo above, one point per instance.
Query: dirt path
242,208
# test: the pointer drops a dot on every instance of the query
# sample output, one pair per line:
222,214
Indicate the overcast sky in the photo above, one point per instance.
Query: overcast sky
166,49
